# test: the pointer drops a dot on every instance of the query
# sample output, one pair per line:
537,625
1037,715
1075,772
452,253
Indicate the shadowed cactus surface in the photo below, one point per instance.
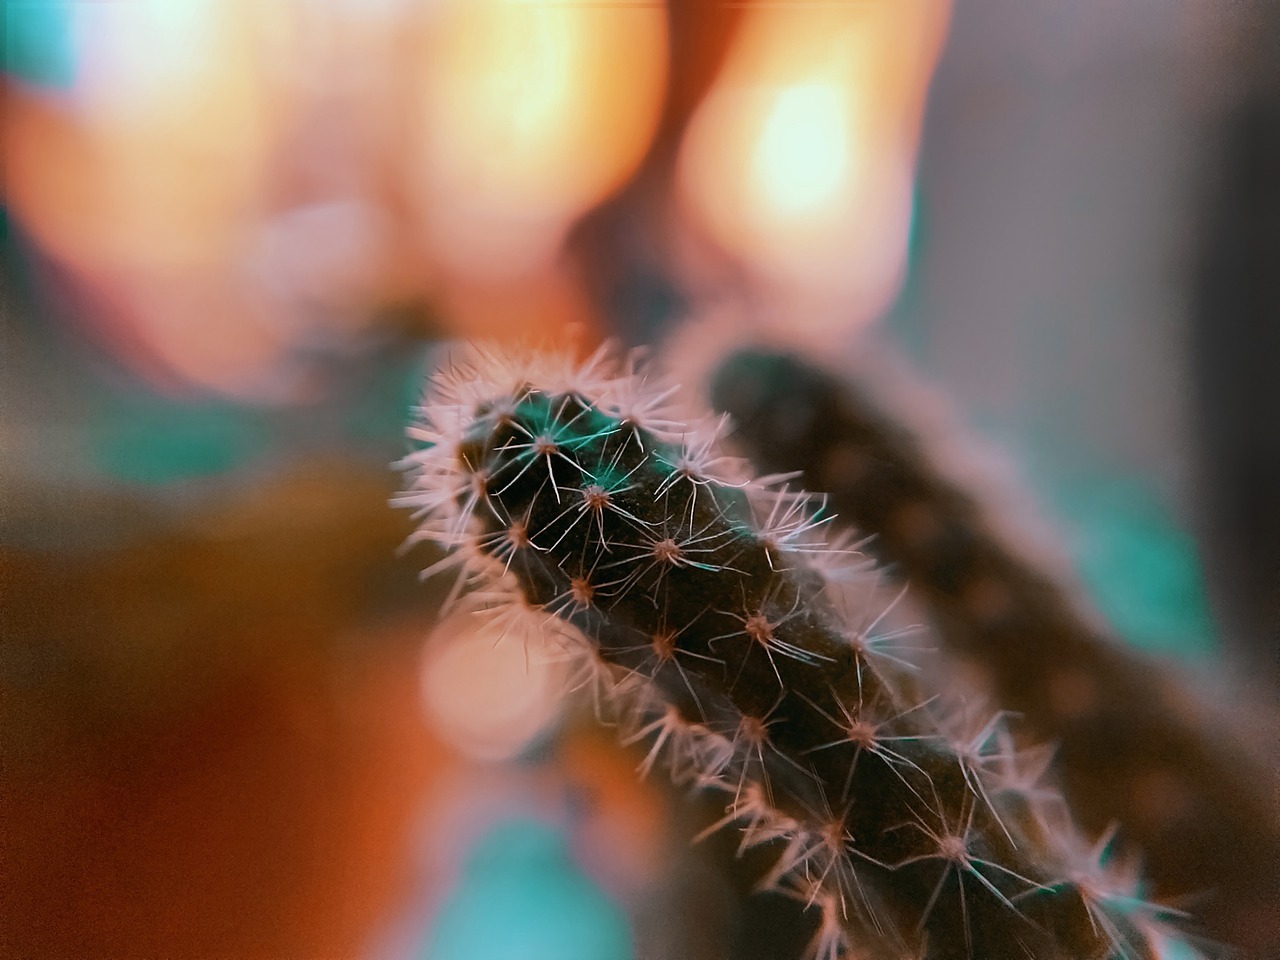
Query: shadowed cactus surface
1133,746
706,609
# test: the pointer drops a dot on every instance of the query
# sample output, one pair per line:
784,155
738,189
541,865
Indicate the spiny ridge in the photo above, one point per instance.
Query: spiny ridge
699,600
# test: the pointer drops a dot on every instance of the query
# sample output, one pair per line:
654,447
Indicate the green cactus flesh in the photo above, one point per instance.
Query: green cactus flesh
703,600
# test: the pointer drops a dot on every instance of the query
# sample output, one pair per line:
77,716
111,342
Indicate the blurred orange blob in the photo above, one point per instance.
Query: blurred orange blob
158,155
800,160
546,307
532,111
489,695
192,330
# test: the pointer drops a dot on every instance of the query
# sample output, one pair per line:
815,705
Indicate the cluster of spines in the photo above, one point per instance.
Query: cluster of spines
1133,747
698,602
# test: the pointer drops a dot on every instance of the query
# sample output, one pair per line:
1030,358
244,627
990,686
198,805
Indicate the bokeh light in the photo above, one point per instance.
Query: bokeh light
804,152
522,896
532,112
800,160
487,694
158,152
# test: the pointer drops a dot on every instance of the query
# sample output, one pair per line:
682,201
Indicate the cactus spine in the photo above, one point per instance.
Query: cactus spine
1134,748
573,496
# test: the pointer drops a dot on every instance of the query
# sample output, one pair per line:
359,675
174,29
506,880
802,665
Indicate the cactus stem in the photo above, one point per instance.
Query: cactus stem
695,600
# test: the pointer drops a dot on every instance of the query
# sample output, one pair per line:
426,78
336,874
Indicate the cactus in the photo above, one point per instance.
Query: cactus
703,604
1134,748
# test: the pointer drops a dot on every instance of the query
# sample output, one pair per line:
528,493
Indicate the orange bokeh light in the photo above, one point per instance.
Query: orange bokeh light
800,160
159,152
532,112
489,695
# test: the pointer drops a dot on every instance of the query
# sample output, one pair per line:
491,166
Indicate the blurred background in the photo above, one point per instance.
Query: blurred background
235,232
